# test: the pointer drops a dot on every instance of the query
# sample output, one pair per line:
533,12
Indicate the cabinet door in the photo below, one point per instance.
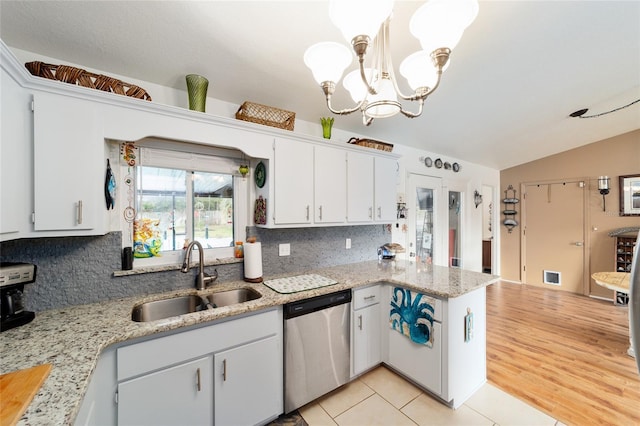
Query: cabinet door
385,190
359,187
293,182
366,338
180,395
248,383
69,165
330,177
422,363
15,159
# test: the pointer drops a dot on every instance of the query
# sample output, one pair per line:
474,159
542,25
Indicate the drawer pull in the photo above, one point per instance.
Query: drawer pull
360,322
373,296
198,383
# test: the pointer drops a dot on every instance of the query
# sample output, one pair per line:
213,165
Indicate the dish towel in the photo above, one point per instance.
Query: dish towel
412,315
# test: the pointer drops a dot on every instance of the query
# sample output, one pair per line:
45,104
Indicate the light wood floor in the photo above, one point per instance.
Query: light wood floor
563,353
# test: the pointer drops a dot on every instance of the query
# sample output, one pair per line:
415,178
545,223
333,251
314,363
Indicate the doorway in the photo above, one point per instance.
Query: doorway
553,234
487,229
424,216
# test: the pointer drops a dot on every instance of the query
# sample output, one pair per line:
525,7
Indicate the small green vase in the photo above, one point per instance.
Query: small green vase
197,87
327,123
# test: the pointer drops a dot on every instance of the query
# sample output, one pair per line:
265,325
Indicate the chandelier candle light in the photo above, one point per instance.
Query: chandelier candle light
438,25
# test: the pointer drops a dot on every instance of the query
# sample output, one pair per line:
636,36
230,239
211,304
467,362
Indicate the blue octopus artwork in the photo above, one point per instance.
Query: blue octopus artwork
414,318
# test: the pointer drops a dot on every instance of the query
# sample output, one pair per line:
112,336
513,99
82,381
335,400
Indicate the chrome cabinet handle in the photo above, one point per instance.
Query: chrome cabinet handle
79,212
198,383
360,322
224,370
370,212
373,296
307,212
579,243
379,212
320,217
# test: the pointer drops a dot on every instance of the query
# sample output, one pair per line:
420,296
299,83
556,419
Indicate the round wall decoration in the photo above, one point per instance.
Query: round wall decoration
261,174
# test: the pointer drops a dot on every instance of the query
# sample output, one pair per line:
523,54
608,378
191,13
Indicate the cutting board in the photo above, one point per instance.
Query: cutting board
18,389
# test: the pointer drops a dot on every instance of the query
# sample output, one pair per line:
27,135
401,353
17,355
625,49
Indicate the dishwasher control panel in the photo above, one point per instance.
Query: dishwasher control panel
313,304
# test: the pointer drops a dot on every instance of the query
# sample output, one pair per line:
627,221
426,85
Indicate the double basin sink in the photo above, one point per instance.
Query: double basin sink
181,305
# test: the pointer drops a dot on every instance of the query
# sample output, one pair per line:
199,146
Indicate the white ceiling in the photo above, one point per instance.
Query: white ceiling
521,68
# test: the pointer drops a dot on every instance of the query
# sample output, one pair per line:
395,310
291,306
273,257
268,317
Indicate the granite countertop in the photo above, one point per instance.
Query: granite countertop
71,339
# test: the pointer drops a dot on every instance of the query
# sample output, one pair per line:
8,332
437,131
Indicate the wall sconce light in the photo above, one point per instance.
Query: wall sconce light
477,198
603,187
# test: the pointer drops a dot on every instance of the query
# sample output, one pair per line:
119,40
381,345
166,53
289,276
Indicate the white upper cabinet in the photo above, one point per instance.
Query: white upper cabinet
15,159
330,191
385,171
69,165
329,185
359,188
371,189
293,182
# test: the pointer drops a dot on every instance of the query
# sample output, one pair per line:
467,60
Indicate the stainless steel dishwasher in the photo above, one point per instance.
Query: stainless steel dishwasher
316,347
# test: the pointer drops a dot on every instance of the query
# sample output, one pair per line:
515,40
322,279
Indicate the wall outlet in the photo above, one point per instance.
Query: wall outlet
284,249
348,244
400,198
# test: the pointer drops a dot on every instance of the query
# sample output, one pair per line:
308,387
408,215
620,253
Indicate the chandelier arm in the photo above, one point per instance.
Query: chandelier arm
414,114
342,111
363,76
328,88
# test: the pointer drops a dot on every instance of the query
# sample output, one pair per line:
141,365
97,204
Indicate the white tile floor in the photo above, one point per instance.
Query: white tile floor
381,397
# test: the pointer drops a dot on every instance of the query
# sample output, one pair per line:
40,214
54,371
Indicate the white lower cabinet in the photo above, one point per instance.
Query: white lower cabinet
244,383
365,330
228,373
182,394
421,361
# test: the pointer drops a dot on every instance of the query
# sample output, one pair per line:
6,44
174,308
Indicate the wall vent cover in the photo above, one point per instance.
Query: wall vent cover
551,277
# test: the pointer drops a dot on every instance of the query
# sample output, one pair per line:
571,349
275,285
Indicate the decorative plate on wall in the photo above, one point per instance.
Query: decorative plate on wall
261,174
428,162
438,163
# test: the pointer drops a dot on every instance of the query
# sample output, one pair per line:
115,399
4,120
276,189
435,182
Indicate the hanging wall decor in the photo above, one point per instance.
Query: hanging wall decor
510,200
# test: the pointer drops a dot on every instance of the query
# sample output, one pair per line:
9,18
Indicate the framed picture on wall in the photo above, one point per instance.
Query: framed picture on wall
630,195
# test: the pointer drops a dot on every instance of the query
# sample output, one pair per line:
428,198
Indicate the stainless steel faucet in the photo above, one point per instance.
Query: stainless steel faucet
202,279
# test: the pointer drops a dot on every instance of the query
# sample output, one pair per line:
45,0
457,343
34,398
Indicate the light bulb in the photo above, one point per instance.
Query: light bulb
359,17
440,23
327,61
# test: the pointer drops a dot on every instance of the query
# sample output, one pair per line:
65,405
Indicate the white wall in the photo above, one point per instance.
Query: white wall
471,177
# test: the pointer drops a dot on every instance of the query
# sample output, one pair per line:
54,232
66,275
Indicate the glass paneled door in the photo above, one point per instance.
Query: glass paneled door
424,238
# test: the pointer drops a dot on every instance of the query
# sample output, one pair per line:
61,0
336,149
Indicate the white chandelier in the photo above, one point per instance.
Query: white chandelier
438,25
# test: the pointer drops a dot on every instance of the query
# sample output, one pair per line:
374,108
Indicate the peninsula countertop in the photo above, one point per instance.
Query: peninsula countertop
72,338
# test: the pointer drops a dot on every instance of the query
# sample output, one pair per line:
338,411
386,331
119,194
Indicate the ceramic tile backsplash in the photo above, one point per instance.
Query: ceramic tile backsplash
79,270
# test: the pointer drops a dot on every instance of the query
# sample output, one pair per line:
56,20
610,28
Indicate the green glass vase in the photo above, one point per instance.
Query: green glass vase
327,123
197,87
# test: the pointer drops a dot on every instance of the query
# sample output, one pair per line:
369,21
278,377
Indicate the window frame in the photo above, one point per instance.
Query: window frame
189,157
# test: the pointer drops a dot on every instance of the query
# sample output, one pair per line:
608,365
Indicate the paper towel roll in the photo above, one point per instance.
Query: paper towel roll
252,261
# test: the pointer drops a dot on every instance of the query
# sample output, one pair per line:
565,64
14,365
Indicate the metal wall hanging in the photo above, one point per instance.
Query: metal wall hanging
510,200
439,164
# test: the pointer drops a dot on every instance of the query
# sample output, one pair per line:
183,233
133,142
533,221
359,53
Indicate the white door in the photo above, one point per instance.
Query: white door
293,182
359,188
426,235
553,236
385,189
330,189
248,383
366,338
178,395
69,165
